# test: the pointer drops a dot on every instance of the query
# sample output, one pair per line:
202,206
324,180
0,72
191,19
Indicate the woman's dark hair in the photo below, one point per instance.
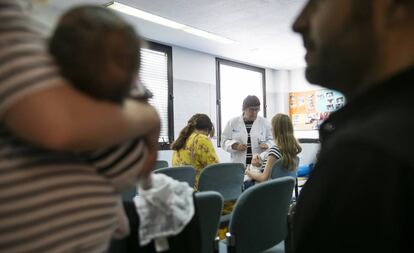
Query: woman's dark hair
196,122
249,101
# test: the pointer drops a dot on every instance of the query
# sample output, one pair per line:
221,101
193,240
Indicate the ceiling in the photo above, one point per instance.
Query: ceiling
261,28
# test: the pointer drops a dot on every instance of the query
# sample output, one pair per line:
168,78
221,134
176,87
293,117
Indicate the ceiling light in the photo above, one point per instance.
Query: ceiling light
206,35
166,22
144,15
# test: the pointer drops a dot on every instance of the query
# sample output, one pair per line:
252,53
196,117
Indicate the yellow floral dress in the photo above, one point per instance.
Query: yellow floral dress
198,152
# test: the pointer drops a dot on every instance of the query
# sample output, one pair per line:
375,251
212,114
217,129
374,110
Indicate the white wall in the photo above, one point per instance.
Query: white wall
298,81
194,82
277,87
308,154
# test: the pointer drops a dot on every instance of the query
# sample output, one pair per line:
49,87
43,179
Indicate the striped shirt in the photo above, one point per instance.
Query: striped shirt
249,154
52,201
273,151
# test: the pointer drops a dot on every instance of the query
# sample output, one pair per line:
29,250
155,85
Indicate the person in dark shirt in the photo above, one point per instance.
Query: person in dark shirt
359,197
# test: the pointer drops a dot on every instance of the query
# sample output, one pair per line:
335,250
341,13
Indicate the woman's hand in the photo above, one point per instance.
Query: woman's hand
256,160
239,147
263,146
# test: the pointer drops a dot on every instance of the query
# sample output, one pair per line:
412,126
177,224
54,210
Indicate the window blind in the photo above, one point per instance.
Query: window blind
154,75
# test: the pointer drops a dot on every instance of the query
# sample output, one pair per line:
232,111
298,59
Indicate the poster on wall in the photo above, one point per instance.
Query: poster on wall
309,109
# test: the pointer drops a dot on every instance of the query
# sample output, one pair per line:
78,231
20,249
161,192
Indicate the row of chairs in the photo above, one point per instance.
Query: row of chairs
225,180
259,220
258,223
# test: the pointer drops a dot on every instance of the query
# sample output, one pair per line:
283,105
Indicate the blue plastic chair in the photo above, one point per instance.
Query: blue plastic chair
259,220
180,173
160,164
278,170
208,206
203,228
225,178
305,170
129,194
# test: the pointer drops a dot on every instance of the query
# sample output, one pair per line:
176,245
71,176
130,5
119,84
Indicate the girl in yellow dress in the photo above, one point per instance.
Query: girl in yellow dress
193,146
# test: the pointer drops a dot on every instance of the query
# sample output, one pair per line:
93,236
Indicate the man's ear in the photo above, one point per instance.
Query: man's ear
398,12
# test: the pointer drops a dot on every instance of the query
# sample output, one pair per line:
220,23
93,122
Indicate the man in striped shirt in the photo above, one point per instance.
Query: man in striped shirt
51,199
100,54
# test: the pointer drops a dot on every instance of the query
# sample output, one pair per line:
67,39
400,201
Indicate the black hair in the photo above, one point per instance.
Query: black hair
79,45
196,122
249,101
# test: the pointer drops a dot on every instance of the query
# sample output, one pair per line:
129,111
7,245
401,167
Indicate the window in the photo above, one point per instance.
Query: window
235,81
156,75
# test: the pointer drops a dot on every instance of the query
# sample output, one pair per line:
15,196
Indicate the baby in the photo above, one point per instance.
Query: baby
100,54
256,166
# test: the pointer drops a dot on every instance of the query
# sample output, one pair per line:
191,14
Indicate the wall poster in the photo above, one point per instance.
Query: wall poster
309,109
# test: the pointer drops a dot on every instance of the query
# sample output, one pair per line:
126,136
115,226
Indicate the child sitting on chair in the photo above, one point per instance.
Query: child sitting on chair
287,147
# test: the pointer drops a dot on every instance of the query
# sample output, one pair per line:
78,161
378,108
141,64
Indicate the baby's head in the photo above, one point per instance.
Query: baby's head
97,51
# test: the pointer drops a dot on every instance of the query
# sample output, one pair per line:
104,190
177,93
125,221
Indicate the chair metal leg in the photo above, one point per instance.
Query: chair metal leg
296,188
216,244
289,237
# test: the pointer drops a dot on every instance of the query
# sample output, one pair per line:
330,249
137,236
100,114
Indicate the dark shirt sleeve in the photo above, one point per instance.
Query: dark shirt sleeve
356,200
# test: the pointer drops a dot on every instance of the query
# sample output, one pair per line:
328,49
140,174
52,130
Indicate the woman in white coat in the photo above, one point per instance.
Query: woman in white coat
247,134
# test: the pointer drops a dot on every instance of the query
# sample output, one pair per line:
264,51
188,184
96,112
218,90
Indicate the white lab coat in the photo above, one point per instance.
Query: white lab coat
235,131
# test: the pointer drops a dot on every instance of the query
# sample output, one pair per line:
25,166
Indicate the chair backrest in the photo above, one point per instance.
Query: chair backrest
208,205
197,236
160,164
259,219
129,194
225,178
181,173
278,170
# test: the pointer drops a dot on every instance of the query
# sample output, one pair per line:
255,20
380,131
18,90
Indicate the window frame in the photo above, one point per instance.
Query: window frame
220,61
168,51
